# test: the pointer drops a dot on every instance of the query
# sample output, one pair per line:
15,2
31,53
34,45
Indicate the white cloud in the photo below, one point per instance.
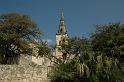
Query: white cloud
48,40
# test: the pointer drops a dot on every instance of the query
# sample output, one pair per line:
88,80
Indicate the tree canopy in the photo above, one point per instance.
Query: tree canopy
95,60
15,32
109,39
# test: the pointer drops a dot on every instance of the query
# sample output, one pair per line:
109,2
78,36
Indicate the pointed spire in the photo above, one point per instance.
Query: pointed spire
62,28
62,16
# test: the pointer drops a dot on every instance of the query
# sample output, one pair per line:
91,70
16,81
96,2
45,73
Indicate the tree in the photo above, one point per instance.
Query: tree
75,46
70,68
16,30
44,50
109,39
68,72
89,66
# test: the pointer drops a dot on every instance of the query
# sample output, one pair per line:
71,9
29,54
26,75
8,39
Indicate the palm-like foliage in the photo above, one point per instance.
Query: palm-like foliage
71,71
88,66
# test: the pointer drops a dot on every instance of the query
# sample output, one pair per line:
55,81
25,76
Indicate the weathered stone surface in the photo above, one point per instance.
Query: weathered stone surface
23,73
26,71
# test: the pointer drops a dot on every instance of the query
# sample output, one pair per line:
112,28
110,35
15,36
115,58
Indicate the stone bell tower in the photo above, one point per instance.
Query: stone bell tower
60,35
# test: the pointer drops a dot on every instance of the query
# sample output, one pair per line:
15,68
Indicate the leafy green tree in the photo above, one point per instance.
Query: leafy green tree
90,66
109,39
75,47
103,68
16,30
71,69
67,72
44,50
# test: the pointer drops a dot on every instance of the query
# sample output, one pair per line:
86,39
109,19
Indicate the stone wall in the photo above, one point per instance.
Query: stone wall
26,71
23,73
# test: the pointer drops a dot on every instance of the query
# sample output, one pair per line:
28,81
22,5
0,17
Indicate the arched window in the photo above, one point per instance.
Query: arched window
60,42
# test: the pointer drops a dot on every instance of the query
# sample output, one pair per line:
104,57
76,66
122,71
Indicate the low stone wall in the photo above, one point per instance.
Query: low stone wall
23,73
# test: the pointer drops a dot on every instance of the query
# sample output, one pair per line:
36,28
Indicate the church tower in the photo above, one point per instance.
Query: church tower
60,35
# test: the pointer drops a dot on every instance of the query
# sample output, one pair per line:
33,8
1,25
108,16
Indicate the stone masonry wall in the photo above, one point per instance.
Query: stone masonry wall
23,73
26,71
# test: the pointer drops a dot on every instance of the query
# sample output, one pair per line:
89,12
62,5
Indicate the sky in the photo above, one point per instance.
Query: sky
81,16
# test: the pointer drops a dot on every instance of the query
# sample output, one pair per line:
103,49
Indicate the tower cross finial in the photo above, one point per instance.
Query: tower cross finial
62,15
62,12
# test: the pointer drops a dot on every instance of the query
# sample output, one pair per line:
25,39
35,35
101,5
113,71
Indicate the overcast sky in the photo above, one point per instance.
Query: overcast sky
81,16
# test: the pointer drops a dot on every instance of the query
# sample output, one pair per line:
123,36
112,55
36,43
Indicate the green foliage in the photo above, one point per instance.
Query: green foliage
44,50
109,39
16,31
65,72
104,67
71,69
91,66
76,46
